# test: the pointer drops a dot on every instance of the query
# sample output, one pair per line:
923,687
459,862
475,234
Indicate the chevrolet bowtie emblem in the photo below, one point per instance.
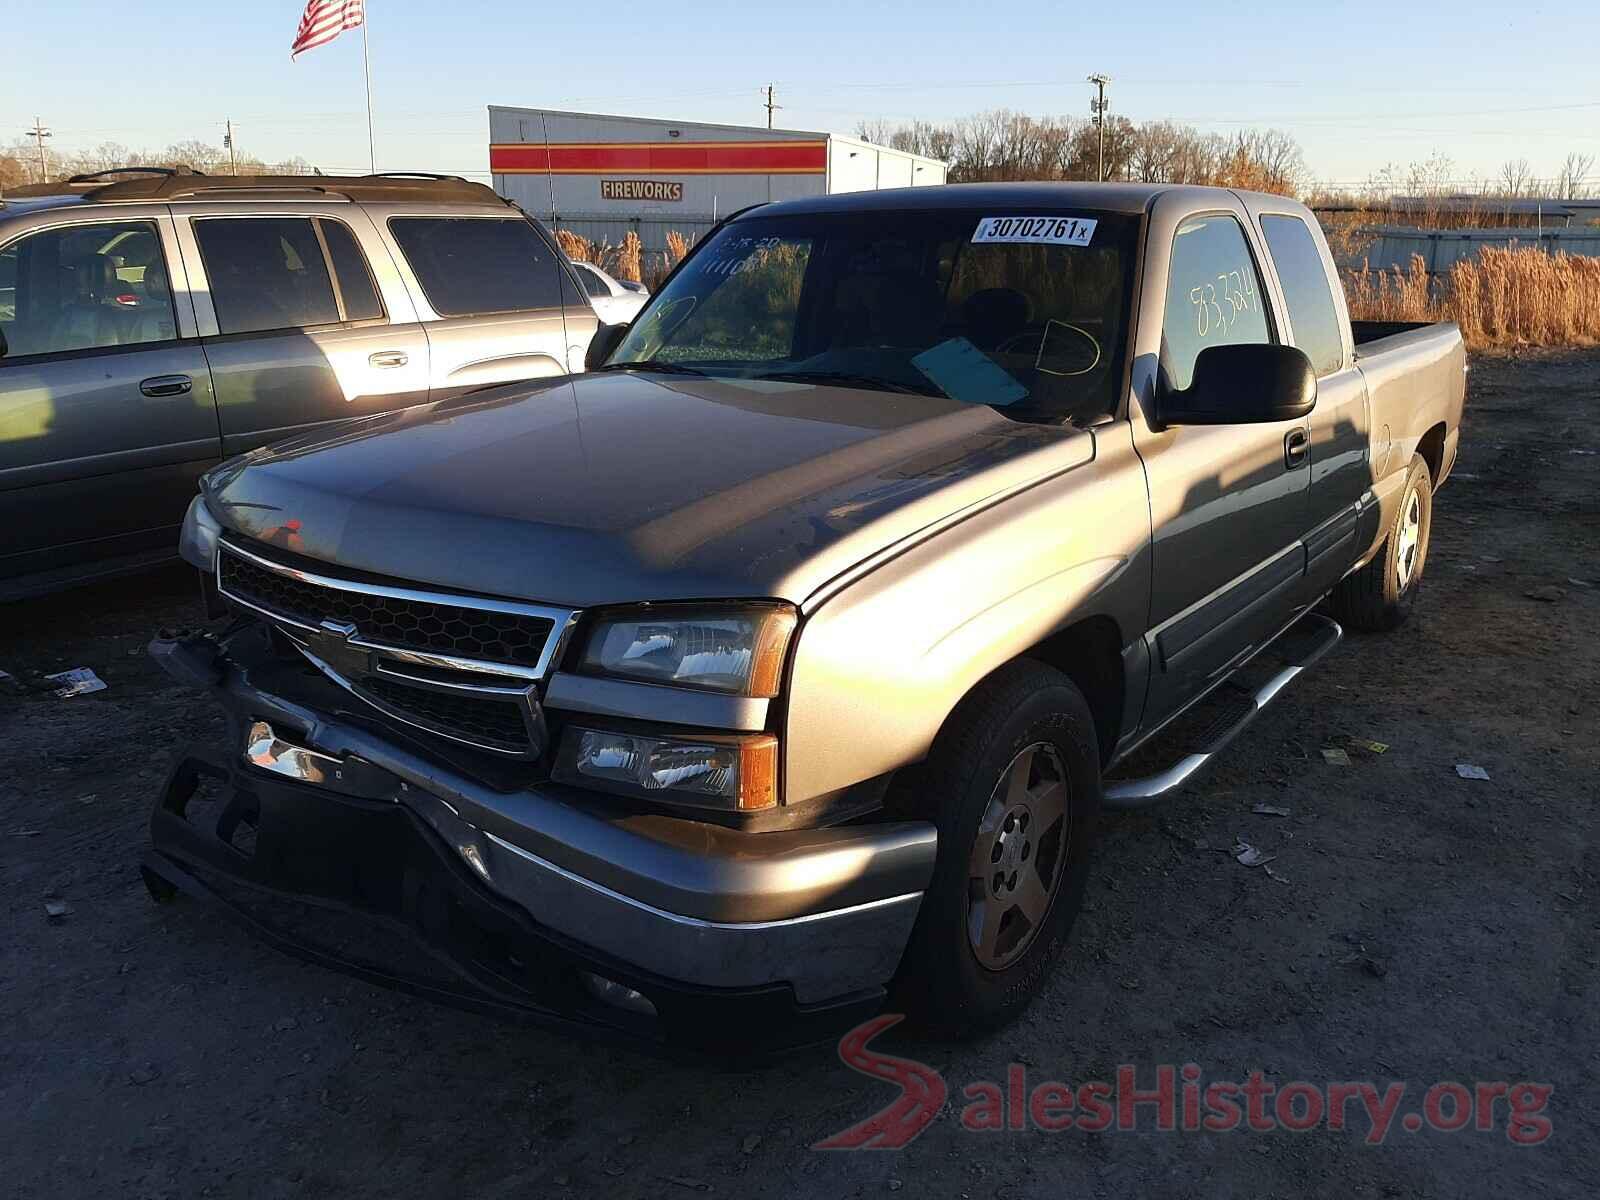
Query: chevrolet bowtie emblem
338,629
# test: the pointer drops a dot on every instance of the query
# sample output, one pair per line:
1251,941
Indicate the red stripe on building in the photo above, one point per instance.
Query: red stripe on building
651,158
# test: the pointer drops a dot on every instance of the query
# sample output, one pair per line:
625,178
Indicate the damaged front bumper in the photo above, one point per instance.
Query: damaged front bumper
529,902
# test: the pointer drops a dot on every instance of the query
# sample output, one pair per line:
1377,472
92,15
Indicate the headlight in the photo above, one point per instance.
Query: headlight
735,774
736,650
198,542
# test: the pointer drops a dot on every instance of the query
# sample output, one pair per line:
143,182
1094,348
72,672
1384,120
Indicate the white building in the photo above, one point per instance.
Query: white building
601,176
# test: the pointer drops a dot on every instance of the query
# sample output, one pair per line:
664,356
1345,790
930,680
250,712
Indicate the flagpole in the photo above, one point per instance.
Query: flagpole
366,66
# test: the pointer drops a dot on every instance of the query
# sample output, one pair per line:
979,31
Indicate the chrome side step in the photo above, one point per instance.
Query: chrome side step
1320,635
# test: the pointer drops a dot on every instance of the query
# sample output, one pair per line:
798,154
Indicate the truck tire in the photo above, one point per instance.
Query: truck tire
1379,596
1014,784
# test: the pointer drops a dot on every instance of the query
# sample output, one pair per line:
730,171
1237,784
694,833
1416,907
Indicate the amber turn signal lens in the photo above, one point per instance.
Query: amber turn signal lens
758,773
771,647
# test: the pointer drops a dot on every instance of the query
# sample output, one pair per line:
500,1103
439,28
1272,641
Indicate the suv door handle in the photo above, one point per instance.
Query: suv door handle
1296,443
166,385
388,358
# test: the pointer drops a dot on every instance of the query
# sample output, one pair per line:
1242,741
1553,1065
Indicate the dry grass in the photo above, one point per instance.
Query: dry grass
677,248
1504,297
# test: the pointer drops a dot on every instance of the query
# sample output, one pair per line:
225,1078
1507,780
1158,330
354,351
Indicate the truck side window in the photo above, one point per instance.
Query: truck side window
266,273
85,287
1214,295
1305,288
356,289
473,265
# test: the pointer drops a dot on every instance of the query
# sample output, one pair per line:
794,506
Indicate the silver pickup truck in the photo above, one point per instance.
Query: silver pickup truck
780,666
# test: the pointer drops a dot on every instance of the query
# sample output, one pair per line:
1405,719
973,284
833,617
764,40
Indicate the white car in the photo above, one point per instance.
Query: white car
615,301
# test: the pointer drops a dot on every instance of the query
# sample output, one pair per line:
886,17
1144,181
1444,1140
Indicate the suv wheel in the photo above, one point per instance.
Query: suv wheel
1015,781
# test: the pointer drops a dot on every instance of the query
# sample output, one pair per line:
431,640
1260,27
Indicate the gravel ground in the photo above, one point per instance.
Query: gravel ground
1416,926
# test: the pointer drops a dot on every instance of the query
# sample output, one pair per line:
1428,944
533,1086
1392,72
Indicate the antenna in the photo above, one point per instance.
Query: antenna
549,172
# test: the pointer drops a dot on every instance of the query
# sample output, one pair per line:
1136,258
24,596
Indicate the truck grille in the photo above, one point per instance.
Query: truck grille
460,667
493,723
497,637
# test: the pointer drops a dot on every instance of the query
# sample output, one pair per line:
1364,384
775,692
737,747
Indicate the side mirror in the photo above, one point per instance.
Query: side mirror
606,339
1239,385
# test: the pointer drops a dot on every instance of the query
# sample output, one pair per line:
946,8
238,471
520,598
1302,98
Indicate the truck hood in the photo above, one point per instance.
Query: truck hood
619,487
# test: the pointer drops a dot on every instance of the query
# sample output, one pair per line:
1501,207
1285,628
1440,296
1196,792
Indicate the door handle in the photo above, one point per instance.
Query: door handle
1296,445
166,385
388,358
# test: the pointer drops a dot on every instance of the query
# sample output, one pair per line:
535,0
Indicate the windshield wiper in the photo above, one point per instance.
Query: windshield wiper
650,364
848,379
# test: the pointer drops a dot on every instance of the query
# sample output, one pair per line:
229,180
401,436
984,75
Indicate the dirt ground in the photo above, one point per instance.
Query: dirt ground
1416,926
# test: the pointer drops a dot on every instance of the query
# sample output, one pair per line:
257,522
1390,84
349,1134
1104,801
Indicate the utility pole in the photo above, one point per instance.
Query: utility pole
770,105
38,133
1098,107
233,153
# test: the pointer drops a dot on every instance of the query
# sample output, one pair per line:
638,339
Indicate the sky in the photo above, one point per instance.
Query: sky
1360,85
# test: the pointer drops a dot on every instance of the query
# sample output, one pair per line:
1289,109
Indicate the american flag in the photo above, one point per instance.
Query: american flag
325,20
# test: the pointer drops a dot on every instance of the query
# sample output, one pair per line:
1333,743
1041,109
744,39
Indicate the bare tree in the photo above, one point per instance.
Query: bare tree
1573,181
1516,178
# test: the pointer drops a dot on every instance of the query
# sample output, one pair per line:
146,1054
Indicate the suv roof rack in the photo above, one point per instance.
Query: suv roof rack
161,183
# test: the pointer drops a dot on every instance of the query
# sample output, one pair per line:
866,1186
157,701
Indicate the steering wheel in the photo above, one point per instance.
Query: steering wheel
1079,356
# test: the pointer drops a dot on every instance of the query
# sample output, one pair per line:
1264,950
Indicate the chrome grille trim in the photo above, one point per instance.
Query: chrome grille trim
532,716
562,620
349,659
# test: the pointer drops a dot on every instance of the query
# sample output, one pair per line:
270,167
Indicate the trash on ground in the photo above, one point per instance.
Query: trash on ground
1468,771
1337,756
77,682
1247,855
25,833
56,909
1270,810
1579,583
1370,747
1275,876
1549,594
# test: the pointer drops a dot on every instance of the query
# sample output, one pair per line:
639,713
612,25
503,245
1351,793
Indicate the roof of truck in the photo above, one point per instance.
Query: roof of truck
1130,198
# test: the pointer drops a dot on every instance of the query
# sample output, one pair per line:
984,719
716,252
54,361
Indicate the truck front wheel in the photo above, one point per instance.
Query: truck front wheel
1014,780
1379,596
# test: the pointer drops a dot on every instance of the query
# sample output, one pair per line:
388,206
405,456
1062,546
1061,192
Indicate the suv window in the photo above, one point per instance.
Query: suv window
472,265
592,283
1305,289
83,287
356,291
1213,295
266,273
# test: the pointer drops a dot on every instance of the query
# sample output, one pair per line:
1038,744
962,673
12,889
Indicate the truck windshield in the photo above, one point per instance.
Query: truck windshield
1025,311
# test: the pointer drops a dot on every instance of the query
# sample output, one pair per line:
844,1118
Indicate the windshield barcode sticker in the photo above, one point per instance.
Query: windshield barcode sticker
1055,231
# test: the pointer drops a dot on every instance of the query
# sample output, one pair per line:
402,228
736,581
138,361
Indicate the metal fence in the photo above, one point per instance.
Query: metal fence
1441,249
609,229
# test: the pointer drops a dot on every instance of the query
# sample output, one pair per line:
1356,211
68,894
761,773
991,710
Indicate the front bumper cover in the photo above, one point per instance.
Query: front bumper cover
523,898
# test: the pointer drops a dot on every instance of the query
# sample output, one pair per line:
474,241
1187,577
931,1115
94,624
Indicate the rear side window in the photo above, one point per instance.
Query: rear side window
472,265
1305,288
356,289
266,273
1213,295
